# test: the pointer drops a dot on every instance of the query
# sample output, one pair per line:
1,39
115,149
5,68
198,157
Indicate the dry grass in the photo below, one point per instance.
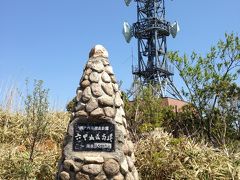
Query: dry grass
160,156
15,147
10,97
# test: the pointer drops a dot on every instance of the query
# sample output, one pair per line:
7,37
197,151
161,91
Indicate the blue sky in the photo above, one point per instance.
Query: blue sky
50,39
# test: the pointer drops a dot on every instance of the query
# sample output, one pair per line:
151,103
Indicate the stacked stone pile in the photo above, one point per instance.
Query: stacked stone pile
99,100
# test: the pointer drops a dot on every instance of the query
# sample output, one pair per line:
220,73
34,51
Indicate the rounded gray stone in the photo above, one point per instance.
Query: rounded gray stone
70,165
94,77
81,176
105,61
133,157
86,77
81,113
85,83
93,160
122,129
135,173
118,100
108,88
118,177
86,96
72,115
111,167
118,118
64,175
87,71
109,70
80,106
97,112
124,122
125,148
96,89
120,138
105,77
93,169
109,111
106,100
98,51
130,146
129,176
124,166
122,111
96,65
113,79
91,105
78,165
115,87
100,176
79,95
130,163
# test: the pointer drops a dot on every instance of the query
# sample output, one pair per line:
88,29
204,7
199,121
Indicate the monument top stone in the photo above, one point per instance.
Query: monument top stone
98,51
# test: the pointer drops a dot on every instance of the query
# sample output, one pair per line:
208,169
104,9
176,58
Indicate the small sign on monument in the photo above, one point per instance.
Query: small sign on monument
94,137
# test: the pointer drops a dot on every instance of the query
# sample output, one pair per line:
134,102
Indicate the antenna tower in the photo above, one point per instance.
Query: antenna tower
151,31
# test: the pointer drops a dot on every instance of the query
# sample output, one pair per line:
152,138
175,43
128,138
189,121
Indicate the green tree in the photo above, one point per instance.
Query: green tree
210,86
144,113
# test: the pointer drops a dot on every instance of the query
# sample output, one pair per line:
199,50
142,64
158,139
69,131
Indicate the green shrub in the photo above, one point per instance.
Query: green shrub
144,113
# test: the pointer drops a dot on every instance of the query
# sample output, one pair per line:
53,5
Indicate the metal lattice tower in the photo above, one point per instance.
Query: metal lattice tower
151,31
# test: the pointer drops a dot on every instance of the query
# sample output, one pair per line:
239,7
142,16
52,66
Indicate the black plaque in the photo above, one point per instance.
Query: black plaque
94,137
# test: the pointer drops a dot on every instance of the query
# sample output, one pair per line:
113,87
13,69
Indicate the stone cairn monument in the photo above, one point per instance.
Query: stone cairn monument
97,144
